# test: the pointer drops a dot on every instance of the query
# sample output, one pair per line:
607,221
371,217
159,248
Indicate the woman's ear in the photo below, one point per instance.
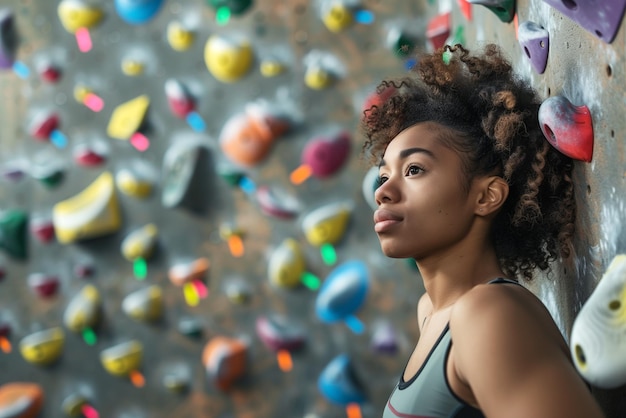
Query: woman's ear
493,193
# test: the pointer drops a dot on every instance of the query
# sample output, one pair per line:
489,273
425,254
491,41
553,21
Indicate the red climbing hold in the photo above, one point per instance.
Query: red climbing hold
567,127
438,30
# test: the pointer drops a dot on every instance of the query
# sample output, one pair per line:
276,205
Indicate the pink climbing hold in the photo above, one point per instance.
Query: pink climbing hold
44,285
535,41
42,229
567,127
326,155
438,30
178,98
43,125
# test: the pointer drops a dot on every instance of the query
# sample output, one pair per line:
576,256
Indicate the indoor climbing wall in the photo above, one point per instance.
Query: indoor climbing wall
185,214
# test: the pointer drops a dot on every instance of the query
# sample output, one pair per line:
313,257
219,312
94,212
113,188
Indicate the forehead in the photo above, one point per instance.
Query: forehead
425,135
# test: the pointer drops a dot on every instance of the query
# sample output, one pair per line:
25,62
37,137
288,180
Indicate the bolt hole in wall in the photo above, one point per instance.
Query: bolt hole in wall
609,70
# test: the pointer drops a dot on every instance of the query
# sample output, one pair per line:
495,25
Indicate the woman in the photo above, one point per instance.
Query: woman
471,190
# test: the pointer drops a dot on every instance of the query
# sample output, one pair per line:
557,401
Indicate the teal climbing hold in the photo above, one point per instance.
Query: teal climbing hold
504,9
13,233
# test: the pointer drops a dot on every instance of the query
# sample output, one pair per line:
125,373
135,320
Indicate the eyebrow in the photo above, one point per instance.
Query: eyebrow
410,151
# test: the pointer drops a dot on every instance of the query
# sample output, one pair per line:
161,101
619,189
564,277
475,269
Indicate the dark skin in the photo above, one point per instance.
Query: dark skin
508,358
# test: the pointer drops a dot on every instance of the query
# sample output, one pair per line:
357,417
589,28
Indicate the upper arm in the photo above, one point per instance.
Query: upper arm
511,355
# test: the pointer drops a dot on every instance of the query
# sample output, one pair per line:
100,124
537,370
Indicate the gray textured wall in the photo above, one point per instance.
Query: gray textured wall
581,67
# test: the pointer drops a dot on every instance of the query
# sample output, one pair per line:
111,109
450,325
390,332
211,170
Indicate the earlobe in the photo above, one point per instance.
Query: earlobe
494,193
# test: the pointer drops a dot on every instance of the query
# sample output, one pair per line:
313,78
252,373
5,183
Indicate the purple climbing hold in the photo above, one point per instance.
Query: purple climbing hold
601,18
535,41
8,38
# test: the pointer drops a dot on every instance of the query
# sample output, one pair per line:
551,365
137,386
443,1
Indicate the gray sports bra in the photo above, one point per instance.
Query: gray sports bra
428,394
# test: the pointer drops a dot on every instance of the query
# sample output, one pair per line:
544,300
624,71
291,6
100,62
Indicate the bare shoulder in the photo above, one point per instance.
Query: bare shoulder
508,352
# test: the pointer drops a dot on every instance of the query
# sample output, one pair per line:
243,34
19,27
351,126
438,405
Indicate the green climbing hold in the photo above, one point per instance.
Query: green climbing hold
504,9
13,233
49,177
235,7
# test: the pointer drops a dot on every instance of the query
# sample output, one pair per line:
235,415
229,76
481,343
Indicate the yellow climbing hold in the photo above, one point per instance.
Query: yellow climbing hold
122,359
286,264
179,37
132,67
43,347
140,243
337,17
83,311
327,224
271,68
130,184
227,59
91,213
128,117
317,78
76,14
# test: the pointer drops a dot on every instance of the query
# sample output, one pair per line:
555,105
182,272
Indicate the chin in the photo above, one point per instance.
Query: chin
392,252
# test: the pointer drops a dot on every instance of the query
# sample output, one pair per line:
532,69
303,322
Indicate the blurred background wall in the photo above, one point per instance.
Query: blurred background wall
293,72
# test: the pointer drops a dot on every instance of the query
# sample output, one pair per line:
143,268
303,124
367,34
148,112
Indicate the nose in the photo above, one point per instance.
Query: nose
385,193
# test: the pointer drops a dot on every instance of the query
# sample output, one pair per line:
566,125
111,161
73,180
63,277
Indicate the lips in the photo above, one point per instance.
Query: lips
384,219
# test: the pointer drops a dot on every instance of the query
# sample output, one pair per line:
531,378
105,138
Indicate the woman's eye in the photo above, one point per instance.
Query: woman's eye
379,181
414,169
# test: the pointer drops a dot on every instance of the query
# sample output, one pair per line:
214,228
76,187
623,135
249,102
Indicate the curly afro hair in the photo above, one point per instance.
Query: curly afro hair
490,117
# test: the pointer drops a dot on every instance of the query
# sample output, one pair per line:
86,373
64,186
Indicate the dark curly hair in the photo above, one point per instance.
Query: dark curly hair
490,117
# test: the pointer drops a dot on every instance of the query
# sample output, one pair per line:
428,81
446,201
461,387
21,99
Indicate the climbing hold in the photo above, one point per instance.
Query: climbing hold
400,42
89,156
140,243
535,41
504,9
14,233
598,341
183,166
317,77
325,155
237,291
8,38
384,339
376,99
176,382
182,273
337,15
278,333
326,224
128,117
236,7
271,67
42,229
133,182
601,18
43,125
20,400
438,30
190,327
178,97
466,9
370,184
43,347
83,270
277,203
73,405
144,304
286,264
50,175
49,72
343,292
178,36
45,285
84,309
91,213
338,382
13,173
137,12
247,137
132,67
77,14
122,359
225,361
567,127
228,59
